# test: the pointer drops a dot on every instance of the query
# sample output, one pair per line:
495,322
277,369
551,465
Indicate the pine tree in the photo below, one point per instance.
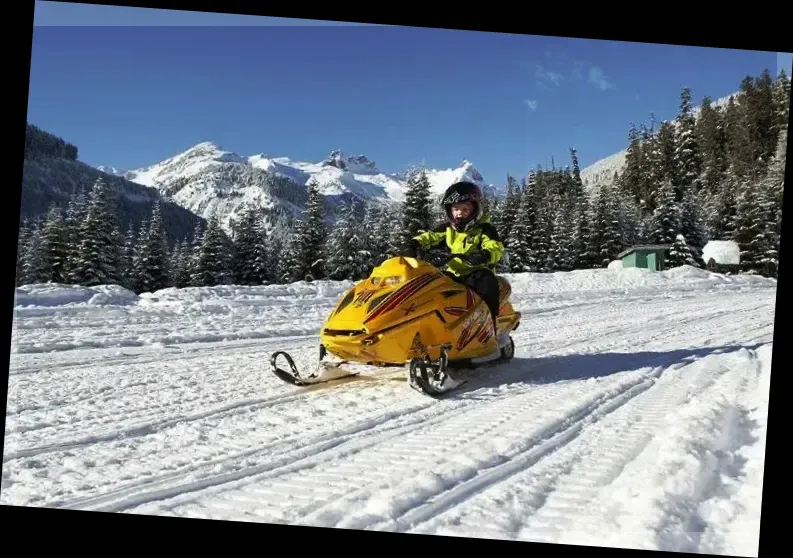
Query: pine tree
348,257
631,180
724,214
754,233
23,249
288,259
668,169
312,235
680,254
687,156
587,237
740,141
563,245
247,247
507,210
151,265
577,183
261,267
774,183
387,236
712,141
136,277
100,244
541,230
182,265
32,264
215,265
126,267
75,213
373,241
54,252
691,226
764,118
416,209
190,256
519,243
782,102
666,219
607,227
557,241
175,264
631,222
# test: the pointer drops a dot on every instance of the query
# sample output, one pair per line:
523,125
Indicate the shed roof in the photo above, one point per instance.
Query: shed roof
722,251
651,247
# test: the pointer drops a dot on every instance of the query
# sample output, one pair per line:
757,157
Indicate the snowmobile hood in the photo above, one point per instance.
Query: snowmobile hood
369,304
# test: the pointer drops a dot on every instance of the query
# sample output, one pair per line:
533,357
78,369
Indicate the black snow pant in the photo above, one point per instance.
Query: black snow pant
484,283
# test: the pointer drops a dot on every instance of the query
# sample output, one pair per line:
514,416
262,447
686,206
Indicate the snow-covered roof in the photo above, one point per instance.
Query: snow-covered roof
722,251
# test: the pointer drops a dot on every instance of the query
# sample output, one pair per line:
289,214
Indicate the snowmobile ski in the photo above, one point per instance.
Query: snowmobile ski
324,372
441,377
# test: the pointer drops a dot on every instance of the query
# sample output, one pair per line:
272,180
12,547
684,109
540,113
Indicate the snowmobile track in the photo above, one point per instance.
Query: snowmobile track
146,428
322,483
560,495
127,496
178,352
550,437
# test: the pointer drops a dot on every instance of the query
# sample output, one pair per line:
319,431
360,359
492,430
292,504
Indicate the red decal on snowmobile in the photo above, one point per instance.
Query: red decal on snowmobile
402,294
455,310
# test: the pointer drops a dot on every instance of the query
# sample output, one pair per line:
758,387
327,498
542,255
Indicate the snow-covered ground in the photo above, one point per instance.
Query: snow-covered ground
633,415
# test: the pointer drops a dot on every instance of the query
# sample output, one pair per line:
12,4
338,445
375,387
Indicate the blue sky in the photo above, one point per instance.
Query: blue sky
132,96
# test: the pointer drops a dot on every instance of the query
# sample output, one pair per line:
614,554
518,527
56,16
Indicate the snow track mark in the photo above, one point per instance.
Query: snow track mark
590,489
324,494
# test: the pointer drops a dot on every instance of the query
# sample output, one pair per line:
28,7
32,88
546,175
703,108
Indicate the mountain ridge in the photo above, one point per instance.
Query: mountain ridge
209,179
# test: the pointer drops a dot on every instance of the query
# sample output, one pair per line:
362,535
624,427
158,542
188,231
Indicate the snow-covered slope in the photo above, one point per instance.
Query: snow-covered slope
208,179
611,427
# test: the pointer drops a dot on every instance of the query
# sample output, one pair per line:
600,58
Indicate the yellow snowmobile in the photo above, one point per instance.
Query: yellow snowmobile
409,311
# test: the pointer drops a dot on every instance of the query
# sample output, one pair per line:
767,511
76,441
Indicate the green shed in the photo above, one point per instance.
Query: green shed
647,256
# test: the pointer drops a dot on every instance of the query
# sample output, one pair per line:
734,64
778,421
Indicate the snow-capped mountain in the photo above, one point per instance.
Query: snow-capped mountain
207,179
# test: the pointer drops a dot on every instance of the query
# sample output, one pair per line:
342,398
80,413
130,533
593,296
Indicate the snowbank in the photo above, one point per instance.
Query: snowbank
240,295
620,278
615,277
52,317
55,294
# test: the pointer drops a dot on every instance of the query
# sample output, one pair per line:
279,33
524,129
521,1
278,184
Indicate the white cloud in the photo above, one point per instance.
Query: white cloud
547,78
531,103
577,73
557,70
598,79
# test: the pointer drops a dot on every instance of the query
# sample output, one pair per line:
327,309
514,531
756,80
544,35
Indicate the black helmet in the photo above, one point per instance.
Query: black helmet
461,192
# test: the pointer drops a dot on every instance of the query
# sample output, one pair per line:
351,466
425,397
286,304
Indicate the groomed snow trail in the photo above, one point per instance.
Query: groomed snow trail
633,415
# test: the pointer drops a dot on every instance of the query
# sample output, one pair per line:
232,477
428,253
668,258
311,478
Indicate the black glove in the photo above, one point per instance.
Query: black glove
477,258
412,249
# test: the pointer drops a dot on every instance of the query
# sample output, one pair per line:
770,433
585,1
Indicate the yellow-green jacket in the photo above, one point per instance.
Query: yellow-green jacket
481,236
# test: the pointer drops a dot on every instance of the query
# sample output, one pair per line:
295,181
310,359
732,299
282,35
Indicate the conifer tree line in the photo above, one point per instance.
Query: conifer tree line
717,176
39,143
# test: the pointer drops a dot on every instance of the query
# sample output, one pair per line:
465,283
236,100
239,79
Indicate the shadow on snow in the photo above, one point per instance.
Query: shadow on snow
578,367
